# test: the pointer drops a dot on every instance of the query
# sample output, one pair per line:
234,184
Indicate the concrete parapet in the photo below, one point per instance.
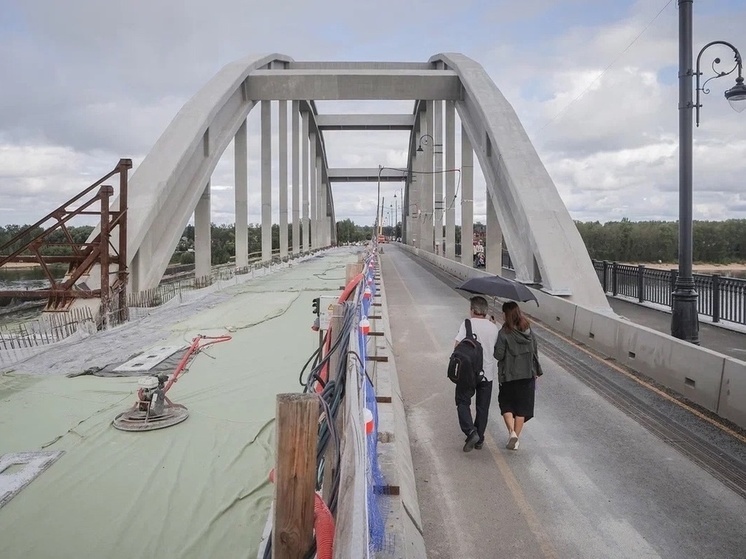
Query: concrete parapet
555,312
732,404
694,372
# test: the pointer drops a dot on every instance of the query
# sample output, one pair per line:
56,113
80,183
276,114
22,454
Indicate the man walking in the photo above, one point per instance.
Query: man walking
486,333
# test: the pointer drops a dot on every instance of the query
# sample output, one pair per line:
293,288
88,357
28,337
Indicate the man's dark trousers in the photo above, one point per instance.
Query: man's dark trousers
463,407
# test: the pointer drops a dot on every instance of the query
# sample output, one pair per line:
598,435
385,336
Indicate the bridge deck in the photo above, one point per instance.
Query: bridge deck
196,490
607,468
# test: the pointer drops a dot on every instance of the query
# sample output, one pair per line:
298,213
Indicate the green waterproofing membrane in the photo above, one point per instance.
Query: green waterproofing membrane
195,490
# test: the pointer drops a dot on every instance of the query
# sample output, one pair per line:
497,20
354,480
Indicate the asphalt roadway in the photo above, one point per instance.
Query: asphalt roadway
608,468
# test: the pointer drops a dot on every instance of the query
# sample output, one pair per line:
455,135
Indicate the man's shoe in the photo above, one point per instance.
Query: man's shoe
471,441
479,445
512,441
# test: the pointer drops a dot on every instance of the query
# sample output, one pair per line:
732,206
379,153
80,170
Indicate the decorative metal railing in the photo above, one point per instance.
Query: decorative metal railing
720,297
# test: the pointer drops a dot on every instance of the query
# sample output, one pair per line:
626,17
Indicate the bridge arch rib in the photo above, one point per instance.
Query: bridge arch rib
534,220
165,188
168,184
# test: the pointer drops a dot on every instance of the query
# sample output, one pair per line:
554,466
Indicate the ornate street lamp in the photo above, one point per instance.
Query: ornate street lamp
736,95
426,140
684,313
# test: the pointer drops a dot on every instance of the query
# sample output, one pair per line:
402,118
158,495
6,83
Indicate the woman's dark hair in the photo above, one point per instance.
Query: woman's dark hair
514,319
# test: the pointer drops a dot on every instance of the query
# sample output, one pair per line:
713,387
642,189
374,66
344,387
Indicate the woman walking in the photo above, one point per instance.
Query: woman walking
517,368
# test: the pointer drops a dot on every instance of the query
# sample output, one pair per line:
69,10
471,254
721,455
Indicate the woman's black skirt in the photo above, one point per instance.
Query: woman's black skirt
517,397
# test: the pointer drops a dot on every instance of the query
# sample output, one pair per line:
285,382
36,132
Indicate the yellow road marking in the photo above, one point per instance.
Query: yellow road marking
533,522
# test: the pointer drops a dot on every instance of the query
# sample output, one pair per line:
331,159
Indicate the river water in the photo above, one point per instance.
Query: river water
29,278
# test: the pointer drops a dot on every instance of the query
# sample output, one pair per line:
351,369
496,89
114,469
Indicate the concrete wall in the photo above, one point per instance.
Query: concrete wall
712,380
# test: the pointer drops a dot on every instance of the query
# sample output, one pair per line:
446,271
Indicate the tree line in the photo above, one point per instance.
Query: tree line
718,242
79,235
714,242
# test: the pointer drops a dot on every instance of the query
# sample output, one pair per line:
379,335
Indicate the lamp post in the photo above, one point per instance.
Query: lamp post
684,314
378,207
380,222
396,217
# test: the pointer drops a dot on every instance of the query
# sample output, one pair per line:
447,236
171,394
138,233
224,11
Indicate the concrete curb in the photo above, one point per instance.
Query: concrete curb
404,537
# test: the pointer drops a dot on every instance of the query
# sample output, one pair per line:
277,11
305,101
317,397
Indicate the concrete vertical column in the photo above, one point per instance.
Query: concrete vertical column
320,209
437,151
295,163
412,195
305,186
282,123
324,199
494,240
313,194
266,131
414,199
450,178
426,192
467,200
202,235
241,174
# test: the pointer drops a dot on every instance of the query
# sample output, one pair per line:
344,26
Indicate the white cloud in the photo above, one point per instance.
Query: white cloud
90,82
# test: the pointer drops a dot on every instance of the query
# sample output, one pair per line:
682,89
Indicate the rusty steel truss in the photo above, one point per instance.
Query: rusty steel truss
29,245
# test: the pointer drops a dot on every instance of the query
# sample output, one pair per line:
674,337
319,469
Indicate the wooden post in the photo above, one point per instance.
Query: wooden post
295,475
352,269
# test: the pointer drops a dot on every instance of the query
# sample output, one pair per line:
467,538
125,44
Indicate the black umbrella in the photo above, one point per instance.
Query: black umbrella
498,286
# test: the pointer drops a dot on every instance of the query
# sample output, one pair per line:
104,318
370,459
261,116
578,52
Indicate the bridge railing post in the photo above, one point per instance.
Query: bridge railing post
614,279
640,283
716,298
605,276
674,277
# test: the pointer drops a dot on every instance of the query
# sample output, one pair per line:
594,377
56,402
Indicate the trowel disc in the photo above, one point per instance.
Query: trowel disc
135,420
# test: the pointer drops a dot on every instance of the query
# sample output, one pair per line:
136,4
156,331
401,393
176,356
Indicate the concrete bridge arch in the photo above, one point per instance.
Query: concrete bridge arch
523,205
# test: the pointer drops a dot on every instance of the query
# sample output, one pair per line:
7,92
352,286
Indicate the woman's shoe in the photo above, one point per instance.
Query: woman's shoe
512,441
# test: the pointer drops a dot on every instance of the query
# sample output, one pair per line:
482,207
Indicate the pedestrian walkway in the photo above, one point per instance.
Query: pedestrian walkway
607,468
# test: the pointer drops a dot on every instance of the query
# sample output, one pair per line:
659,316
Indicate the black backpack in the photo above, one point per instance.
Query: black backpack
465,364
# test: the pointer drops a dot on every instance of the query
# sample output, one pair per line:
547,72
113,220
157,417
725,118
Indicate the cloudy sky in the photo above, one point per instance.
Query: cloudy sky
594,82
